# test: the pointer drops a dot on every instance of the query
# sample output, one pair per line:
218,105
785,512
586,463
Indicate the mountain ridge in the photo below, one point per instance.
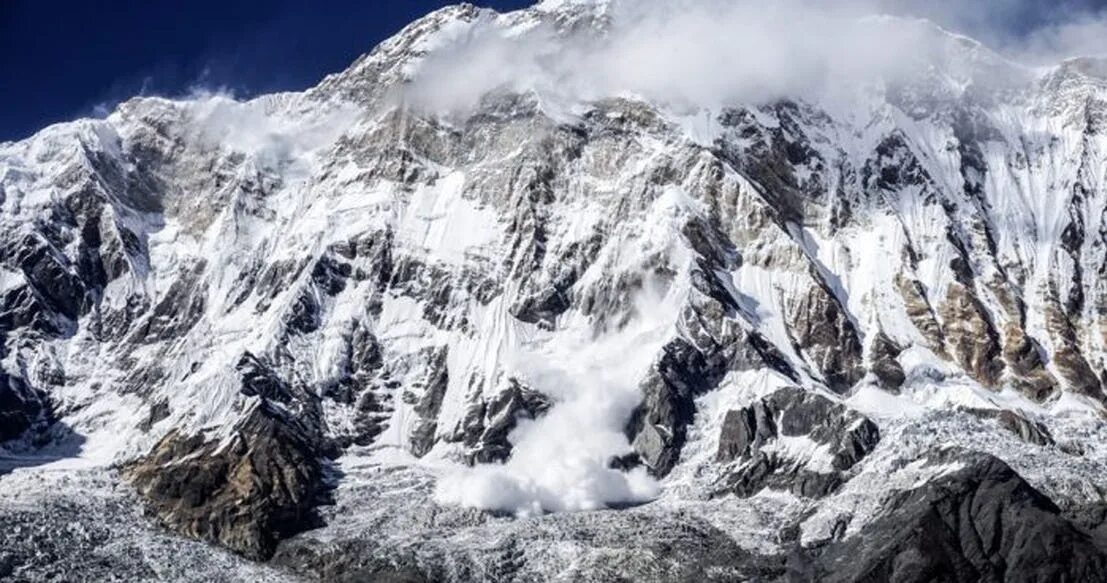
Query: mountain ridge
773,324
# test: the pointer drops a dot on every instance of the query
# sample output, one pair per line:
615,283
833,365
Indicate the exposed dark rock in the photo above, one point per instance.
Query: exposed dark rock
1091,518
610,300
771,156
772,471
691,367
436,288
544,306
20,406
551,300
46,270
251,488
748,434
744,431
158,412
21,307
423,436
920,312
304,317
1029,431
659,425
822,329
1032,432
1024,360
893,167
246,494
971,338
486,437
961,263
1068,359
982,522
330,275
1072,240
883,362
625,462
141,379
259,380
111,323
371,416
376,249
178,311
363,360
275,278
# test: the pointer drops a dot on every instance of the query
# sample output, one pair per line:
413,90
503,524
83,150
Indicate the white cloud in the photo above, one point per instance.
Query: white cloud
709,52
701,52
1031,31
1047,45
271,135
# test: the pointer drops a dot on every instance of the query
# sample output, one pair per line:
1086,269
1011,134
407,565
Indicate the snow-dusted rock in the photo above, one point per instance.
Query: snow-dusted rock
462,325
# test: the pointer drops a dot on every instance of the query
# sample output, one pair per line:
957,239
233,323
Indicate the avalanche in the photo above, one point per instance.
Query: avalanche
721,317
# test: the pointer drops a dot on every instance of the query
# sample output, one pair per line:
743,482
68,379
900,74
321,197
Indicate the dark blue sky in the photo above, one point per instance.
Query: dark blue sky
62,59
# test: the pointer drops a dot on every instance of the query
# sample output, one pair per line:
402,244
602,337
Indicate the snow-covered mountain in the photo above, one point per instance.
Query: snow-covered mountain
531,331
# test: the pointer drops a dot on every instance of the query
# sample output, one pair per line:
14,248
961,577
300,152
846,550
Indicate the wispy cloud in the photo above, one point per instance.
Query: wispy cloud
706,52
1031,31
1084,37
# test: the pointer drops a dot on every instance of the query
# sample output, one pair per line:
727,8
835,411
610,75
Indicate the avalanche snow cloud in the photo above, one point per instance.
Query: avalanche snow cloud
561,461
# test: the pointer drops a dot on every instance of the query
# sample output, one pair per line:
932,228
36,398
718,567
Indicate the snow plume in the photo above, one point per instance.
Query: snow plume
707,53
559,462
269,128
701,53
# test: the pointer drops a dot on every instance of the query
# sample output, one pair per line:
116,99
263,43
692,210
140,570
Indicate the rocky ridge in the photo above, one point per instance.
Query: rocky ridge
299,311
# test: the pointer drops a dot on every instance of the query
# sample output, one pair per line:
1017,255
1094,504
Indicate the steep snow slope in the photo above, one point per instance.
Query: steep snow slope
764,331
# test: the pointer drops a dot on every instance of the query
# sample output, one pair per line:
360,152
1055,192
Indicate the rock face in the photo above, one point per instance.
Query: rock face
20,407
101,535
793,440
884,364
981,522
1033,432
750,311
660,423
246,494
488,427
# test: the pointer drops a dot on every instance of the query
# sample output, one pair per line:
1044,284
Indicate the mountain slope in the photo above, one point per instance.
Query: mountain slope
763,331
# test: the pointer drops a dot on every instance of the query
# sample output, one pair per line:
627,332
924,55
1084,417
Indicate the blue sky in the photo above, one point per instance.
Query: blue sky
62,59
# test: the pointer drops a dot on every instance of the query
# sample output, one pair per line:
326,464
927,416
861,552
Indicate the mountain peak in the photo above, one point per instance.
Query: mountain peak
765,295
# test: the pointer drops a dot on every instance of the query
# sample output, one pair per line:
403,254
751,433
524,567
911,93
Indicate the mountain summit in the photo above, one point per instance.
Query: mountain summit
586,291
